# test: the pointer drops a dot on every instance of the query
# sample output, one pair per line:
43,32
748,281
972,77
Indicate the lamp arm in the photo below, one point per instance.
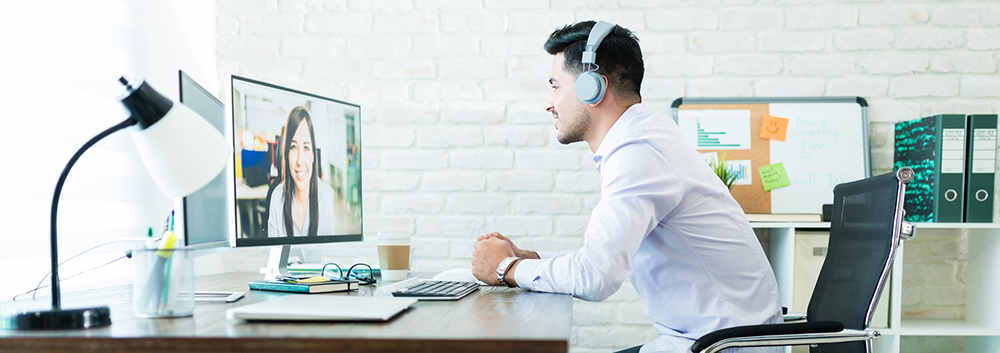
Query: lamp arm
56,304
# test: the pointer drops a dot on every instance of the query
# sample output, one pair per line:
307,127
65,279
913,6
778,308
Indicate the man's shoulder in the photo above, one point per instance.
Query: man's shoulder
649,128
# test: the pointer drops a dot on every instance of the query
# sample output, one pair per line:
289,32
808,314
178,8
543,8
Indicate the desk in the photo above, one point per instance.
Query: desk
492,319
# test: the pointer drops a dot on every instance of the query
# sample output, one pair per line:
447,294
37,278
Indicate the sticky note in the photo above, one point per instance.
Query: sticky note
773,128
314,279
773,176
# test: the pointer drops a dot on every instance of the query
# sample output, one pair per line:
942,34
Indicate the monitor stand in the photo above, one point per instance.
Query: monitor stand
277,262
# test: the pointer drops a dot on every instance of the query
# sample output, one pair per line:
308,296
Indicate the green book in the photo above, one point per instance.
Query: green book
934,147
980,167
308,288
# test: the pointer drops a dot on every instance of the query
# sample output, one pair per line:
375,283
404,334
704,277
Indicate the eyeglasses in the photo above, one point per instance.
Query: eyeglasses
361,274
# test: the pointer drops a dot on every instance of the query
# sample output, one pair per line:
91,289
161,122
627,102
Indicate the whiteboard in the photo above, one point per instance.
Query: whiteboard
818,153
826,144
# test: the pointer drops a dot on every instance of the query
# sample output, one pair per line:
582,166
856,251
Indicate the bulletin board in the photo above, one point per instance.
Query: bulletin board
826,143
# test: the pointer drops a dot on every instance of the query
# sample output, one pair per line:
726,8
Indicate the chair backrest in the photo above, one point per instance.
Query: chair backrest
864,234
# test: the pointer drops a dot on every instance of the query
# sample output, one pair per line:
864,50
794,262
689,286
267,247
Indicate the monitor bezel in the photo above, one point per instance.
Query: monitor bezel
234,240
180,203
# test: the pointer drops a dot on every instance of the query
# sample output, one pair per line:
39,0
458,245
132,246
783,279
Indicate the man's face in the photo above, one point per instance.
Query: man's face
572,118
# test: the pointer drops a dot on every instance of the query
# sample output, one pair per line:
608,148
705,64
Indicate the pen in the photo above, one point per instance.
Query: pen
165,299
156,285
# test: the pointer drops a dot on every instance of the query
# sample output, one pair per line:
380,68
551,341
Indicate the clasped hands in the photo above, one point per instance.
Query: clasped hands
488,251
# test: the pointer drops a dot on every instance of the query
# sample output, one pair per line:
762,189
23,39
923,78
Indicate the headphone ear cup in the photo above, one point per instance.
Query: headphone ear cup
589,87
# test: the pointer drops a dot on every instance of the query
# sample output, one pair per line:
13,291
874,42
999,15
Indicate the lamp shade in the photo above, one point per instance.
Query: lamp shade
179,148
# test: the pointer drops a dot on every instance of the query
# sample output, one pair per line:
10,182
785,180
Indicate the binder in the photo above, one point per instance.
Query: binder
980,167
934,147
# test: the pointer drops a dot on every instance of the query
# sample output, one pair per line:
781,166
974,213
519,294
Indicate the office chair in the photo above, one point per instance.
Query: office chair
865,231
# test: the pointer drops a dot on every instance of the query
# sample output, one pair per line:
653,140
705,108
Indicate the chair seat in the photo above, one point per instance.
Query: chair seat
766,330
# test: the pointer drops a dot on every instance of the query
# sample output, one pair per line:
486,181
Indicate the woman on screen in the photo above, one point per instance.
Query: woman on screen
302,205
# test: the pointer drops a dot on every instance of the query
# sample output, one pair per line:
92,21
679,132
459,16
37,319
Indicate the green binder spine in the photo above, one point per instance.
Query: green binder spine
935,148
980,168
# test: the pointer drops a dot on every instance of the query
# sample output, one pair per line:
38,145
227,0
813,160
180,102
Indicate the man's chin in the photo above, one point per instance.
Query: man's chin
566,140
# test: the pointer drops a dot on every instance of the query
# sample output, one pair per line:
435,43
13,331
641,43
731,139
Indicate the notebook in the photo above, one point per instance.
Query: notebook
316,287
300,307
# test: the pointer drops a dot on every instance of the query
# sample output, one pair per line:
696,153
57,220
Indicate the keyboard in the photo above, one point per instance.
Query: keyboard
438,290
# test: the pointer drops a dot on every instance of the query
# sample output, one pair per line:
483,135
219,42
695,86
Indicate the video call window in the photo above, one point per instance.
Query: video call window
297,165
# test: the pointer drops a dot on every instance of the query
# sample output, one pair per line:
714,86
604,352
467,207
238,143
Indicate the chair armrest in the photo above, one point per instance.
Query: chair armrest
794,317
779,335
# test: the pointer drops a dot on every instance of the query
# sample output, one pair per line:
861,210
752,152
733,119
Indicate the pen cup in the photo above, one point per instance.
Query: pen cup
164,282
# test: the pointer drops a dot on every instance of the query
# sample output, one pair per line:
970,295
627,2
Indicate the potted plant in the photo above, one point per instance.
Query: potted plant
724,173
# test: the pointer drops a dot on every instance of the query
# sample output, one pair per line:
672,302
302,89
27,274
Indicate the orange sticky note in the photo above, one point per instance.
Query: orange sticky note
773,128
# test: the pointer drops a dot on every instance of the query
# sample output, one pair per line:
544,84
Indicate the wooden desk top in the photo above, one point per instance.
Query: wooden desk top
492,319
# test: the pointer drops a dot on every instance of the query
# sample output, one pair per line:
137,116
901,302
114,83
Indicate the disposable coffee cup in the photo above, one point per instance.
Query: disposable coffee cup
393,255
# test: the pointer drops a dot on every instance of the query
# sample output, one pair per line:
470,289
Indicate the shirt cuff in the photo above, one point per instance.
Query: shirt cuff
524,274
545,254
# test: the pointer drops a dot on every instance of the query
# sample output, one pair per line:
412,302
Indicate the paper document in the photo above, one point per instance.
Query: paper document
715,129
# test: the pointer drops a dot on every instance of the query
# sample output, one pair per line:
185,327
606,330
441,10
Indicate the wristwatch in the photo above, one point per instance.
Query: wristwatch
504,266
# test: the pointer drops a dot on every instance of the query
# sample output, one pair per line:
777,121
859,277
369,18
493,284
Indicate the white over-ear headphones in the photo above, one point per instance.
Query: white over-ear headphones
590,86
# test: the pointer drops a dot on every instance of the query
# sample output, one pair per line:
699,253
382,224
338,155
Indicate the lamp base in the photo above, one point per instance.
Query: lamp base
56,319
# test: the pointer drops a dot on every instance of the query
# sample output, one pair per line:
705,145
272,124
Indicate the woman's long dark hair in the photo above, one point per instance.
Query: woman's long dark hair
295,117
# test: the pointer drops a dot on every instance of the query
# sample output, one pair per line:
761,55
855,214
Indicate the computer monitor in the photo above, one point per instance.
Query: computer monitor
201,219
297,169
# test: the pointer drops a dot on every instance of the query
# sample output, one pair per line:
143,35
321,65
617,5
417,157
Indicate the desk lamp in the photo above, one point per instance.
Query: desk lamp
181,151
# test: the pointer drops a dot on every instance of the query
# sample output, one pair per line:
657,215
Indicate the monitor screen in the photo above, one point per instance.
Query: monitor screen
202,216
297,176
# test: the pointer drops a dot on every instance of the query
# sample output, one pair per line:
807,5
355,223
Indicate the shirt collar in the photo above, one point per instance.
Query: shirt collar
617,130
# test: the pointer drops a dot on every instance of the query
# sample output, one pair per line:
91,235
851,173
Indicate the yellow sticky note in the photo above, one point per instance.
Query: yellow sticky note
773,127
773,176
314,279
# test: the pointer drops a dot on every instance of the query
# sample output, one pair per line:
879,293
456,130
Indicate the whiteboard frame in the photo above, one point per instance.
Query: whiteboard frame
675,107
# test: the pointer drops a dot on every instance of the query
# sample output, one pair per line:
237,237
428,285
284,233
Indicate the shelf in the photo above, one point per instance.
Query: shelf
790,224
981,328
952,225
886,331
945,328
919,225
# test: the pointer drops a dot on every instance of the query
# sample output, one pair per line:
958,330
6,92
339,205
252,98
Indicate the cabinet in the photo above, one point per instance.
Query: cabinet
981,326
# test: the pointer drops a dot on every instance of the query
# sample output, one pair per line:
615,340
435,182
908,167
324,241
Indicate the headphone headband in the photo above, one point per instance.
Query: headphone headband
597,34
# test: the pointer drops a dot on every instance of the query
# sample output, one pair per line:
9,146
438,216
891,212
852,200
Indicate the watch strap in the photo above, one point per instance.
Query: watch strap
504,267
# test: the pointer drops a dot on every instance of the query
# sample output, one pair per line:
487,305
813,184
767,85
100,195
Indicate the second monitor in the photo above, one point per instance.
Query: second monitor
297,172
202,216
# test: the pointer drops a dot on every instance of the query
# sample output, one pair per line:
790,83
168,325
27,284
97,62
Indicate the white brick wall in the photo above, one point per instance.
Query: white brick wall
457,144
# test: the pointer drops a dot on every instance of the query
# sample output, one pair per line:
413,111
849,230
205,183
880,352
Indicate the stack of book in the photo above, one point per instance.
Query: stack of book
305,287
953,157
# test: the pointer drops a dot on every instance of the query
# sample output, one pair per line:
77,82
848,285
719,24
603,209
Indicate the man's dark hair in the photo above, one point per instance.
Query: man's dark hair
618,56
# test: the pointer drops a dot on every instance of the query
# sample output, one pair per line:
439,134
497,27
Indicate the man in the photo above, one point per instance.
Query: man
665,220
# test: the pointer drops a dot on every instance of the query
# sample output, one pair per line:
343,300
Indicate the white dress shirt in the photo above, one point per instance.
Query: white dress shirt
666,222
276,218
